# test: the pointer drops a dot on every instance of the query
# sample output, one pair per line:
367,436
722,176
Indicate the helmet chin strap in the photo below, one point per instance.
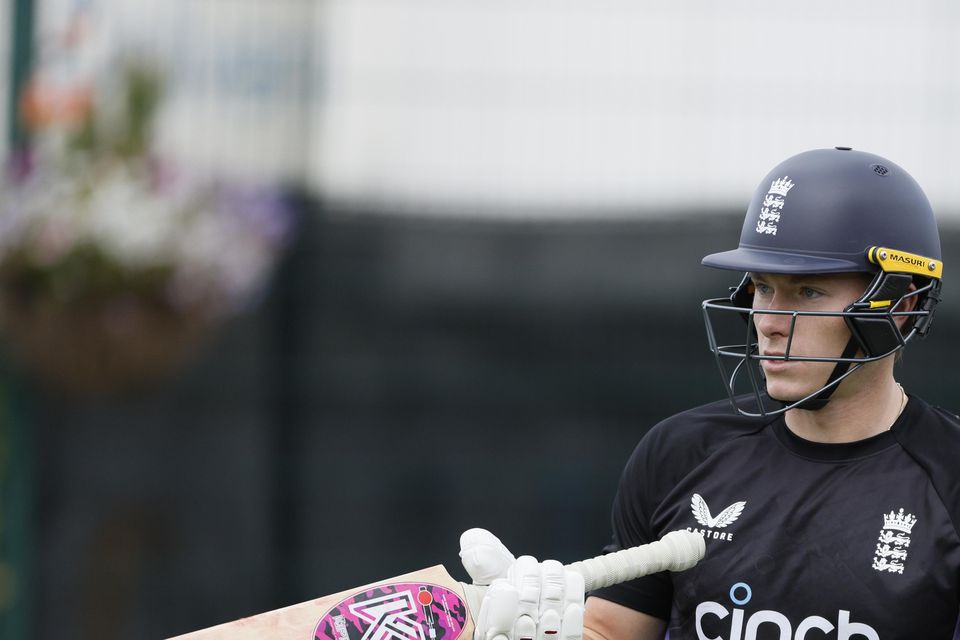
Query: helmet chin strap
820,400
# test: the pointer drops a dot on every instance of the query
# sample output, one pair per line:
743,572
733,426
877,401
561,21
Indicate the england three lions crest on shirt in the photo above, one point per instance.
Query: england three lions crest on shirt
891,551
701,512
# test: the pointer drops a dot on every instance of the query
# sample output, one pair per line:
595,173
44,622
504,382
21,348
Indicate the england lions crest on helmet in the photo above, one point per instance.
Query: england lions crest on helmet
772,205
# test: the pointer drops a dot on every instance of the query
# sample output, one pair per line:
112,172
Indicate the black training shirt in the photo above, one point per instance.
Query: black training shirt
804,540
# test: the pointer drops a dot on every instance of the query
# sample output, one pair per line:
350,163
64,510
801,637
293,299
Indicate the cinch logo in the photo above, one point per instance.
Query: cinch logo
742,628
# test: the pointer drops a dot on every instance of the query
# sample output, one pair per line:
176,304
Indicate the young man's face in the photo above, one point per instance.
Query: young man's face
812,336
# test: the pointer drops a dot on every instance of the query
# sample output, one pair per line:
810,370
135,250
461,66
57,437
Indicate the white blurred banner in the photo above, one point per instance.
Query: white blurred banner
237,70
241,94
606,104
550,107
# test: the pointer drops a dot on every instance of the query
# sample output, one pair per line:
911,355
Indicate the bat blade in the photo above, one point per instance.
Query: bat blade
423,605
430,605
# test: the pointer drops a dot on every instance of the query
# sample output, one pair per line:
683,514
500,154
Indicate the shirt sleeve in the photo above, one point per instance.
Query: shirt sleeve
631,522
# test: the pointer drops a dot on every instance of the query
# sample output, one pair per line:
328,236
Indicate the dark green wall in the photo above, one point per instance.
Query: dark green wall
404,380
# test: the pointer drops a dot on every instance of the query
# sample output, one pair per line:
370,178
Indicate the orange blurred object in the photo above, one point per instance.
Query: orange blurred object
42,106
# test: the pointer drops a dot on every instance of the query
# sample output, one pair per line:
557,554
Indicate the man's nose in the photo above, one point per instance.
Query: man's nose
773,324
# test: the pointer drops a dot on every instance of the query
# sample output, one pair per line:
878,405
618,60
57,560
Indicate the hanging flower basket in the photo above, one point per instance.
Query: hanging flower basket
114,265
94,347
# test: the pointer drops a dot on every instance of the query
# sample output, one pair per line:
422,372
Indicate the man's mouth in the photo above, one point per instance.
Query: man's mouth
778,364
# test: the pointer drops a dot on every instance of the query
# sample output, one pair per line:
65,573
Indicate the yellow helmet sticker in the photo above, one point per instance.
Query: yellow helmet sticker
893,260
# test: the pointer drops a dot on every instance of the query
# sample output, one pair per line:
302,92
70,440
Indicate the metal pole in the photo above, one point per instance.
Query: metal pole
16,512
16,448
21,37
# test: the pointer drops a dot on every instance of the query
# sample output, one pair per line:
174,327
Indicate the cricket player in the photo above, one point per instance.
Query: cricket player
828,496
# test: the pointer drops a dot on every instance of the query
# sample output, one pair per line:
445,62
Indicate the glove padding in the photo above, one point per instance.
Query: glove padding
526,599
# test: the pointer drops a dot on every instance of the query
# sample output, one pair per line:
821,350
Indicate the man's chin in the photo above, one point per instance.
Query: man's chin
787,393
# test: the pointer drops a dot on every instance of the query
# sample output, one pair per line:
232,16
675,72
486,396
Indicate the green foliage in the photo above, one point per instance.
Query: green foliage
126,130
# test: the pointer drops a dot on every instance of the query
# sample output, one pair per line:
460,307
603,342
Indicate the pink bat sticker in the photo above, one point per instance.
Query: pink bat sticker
401,611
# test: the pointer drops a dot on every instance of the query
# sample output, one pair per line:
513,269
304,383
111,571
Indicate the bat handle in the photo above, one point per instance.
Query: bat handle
676,551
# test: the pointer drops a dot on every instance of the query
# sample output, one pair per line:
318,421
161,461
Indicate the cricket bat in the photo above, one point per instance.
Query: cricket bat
431,605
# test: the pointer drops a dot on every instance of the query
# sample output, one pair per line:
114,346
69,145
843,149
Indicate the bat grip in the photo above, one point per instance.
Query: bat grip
676,551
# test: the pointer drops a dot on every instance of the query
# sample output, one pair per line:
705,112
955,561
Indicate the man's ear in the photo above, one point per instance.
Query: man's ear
906,304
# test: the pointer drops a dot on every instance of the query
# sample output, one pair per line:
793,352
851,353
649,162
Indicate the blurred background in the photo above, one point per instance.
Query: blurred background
296,291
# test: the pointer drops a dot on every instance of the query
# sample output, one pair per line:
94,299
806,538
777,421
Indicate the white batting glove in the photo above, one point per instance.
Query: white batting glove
526,599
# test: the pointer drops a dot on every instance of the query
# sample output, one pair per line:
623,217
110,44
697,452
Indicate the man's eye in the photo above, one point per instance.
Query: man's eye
809,293
762,289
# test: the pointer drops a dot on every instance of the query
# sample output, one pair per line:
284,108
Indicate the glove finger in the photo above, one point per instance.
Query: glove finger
575,590
498,612
549,625
561,603
525,629
553,584
474,595
480,618
525,576
572,627
483,556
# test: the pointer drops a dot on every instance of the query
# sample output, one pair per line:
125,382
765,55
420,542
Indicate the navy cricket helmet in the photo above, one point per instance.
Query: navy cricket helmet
831,211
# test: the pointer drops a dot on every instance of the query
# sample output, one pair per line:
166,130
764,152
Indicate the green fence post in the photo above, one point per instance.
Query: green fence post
16,512
21,37
16,450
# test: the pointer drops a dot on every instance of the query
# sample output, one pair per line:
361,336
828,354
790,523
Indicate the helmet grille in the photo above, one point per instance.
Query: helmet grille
880,170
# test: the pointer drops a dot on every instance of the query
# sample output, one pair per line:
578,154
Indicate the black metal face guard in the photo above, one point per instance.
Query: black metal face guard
748,357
